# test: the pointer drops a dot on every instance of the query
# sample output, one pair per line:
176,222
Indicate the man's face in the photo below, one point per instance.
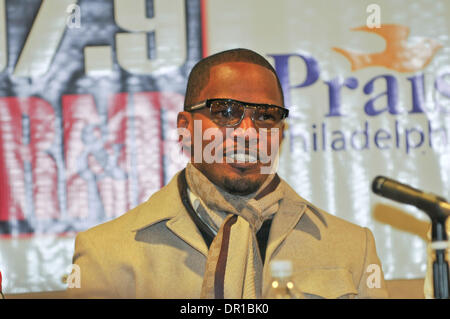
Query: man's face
248,83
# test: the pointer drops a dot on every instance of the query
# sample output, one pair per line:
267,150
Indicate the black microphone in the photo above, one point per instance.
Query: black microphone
437,209
435,206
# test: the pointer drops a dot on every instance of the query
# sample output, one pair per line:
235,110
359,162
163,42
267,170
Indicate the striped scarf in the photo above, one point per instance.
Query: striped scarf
234,265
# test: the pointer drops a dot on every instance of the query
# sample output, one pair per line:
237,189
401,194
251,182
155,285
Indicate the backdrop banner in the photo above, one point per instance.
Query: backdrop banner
90,91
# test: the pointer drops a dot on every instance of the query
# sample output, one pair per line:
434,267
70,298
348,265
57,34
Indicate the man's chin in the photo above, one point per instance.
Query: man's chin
242,180
240,185
237,180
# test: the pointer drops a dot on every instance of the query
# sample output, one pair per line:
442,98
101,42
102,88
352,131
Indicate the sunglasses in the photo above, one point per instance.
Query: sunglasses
229,113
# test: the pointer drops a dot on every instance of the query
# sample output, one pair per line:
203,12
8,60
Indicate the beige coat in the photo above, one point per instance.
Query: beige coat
156,251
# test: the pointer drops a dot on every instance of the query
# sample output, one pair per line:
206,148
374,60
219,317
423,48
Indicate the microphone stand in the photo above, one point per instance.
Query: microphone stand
438,209
440,244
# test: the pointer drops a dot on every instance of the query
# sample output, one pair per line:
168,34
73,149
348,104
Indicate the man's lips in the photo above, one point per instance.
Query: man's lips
242,157
242,160
243,167
246,156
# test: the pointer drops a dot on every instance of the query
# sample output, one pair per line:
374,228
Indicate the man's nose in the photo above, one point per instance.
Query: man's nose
246,128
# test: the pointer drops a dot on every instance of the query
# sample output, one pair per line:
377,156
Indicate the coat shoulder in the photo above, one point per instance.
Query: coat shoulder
162,205
336,223
113,229
326,222
336,230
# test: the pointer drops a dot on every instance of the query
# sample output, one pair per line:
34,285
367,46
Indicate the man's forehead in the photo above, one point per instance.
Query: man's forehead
232,69
242,80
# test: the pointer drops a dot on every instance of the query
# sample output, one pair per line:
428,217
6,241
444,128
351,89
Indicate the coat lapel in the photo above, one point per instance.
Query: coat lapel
284,221
183,226
292,208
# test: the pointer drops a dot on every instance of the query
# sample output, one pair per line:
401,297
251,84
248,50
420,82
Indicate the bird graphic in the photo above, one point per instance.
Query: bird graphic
399,55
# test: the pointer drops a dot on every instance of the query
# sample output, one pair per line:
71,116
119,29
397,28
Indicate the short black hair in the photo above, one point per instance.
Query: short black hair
199,76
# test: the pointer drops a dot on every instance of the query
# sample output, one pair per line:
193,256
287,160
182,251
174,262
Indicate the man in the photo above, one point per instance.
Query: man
213,231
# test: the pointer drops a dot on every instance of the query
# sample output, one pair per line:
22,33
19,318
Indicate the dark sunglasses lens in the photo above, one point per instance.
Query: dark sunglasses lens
267,117
226,113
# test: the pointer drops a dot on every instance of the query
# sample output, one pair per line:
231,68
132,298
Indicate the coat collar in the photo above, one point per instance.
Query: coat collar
155,209
166,205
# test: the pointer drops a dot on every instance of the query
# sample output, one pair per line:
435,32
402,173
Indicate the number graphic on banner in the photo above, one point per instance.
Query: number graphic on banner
49,24
3,51
98,60
168,25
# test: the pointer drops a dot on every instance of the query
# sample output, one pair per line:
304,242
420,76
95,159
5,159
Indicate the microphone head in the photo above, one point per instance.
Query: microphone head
377,184
431,204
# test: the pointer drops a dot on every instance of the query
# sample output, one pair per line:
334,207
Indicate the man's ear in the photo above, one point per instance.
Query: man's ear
185,130
184,120
284,128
